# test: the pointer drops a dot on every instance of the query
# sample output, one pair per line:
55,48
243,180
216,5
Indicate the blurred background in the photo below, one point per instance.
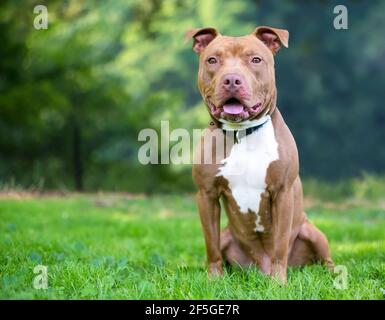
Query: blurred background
74,97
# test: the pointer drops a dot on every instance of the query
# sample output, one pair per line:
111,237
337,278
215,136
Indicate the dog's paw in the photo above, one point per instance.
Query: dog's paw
330,265
278,272
215,270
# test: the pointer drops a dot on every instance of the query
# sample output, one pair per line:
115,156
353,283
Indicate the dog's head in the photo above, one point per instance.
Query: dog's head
236,74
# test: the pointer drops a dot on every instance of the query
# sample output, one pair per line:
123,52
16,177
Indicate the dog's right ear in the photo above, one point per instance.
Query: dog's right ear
202,37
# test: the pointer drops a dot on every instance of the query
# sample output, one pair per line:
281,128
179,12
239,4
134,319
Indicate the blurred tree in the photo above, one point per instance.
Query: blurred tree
74,97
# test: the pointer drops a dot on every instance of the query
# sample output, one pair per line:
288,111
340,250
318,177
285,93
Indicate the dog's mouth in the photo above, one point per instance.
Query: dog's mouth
233,106
234,110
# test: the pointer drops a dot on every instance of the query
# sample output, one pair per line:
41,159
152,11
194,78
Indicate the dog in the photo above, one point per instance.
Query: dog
257,178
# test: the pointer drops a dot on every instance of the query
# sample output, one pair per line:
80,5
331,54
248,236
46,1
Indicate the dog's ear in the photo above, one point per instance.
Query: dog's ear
202,37
273,38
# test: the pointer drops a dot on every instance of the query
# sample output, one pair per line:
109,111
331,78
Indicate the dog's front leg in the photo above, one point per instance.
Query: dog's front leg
282,216
209,211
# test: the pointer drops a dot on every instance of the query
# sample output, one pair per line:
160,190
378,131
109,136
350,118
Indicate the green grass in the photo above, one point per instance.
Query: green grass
116,247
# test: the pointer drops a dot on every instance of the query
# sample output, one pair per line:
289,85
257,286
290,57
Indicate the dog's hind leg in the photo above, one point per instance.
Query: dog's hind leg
310,246
232,252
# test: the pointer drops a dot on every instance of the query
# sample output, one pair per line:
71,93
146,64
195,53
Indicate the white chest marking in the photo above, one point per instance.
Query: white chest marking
246,167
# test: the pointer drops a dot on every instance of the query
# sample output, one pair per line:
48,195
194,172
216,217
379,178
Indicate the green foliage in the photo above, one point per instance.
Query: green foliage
74,97
119,247
367,187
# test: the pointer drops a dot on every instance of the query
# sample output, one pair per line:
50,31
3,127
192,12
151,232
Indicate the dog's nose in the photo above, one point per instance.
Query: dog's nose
232,81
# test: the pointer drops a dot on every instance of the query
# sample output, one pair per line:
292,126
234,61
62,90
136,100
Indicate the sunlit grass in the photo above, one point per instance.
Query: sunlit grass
116,247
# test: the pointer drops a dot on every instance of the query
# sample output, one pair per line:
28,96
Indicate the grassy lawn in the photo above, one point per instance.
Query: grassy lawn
117,247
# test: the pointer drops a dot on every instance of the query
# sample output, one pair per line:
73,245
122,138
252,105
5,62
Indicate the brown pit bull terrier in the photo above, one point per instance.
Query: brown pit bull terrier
257,177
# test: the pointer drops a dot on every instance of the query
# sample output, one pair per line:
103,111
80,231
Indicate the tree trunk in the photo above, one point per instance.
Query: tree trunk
77,157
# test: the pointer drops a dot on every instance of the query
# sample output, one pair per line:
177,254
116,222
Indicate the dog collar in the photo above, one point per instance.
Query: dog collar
249,125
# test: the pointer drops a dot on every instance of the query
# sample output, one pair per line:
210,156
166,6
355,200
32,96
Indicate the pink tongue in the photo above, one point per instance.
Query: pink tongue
233,108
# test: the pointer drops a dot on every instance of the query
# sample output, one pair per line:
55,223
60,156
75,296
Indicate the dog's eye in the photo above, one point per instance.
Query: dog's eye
212,60
256,60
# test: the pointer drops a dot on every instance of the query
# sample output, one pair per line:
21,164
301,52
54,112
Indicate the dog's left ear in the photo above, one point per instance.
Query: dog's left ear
273,38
